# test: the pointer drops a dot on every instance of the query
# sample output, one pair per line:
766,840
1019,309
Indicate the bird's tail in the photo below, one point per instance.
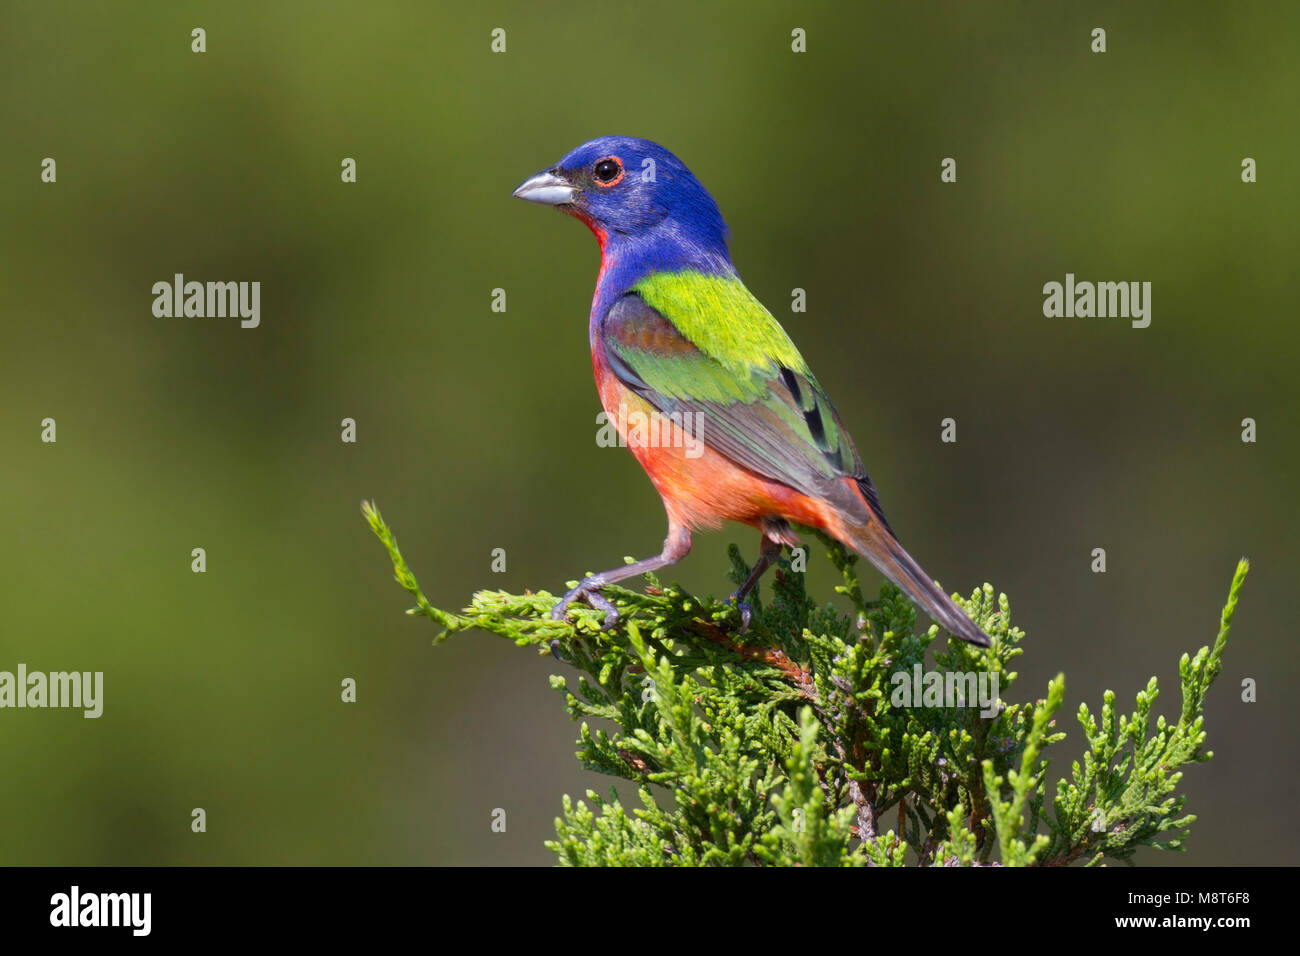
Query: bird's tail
872,539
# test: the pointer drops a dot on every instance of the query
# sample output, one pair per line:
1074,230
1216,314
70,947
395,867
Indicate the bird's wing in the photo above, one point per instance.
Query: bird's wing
703,345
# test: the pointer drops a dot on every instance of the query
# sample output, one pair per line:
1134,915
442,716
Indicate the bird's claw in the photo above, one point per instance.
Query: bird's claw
746,612
591,594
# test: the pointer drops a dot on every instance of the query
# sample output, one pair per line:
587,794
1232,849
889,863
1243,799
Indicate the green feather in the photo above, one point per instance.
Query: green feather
705,344
723,319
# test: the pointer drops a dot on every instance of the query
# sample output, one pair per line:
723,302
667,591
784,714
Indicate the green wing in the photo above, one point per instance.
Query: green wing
690,343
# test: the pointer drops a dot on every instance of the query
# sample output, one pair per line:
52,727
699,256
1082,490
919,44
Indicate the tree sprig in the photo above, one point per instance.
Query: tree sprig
787,744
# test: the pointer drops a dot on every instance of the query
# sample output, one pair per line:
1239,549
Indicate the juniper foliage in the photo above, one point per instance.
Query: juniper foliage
781,745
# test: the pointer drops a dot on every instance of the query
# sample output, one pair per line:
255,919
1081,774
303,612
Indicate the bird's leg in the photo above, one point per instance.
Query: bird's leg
767,556
676,545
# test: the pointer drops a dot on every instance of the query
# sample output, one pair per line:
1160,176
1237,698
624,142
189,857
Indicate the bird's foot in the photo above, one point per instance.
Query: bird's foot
589,591
746,611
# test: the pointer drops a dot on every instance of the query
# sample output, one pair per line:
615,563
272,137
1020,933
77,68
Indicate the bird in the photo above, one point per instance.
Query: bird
744,430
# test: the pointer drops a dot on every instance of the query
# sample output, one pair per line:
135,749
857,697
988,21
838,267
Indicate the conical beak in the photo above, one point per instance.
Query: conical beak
548,189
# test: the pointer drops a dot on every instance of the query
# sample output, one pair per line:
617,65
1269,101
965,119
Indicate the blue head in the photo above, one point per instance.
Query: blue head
641,202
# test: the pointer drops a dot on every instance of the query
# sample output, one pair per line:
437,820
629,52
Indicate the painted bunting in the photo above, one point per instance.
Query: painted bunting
705,386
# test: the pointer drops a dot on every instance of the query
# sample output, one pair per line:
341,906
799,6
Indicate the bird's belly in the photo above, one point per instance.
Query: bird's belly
700,487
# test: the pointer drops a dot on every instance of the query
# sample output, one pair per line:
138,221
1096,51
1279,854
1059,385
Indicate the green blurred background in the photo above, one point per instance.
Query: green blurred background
476,429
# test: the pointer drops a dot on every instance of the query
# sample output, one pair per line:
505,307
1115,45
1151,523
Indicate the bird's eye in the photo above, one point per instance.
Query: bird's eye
608,171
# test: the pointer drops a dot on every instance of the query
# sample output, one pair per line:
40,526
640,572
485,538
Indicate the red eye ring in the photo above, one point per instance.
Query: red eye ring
596,171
